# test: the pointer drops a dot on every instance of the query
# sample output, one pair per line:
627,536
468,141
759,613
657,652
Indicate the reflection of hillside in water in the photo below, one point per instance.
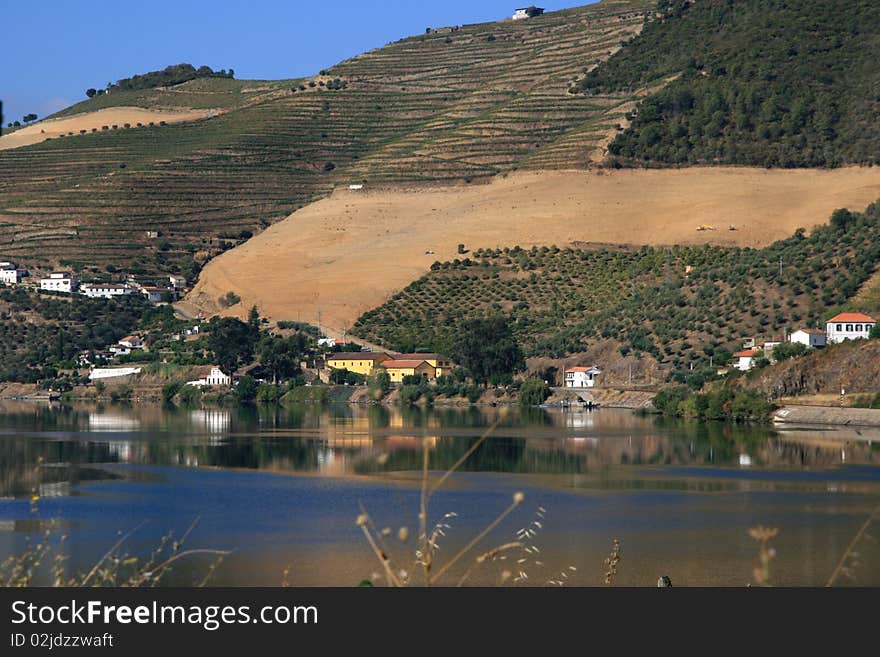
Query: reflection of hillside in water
86,443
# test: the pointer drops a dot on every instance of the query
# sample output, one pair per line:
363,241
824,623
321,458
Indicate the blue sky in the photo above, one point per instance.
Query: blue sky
54,50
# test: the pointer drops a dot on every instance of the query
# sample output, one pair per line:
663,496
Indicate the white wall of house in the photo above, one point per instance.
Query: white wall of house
807,338
112,372
105,291
215,377
744,363
59,283
842,331
9,274
581,379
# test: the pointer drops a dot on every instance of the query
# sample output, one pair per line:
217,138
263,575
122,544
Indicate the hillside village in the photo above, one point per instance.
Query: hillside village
584,315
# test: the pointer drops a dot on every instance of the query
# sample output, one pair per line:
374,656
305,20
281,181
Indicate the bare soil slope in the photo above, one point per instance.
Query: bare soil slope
334,259
119,116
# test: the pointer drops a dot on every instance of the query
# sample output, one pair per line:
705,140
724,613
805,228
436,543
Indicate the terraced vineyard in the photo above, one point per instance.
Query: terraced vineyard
450,106
682,305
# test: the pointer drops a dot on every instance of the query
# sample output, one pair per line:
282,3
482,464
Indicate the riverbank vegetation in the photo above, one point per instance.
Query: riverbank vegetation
719,402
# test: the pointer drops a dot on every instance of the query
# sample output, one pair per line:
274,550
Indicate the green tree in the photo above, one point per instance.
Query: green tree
253,321
246,390
279,355
789,350
486,347
842,218
231,341
378,383
533,392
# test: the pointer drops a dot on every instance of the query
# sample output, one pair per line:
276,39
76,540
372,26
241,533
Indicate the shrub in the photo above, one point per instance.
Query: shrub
533,392
229,299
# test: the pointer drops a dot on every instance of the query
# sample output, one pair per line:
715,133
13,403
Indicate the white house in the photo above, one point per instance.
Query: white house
527,12
808,337
153,294
177,282
61,281
849,326
104,290
581,377
132,342
9,273
211,376
746,359
326,342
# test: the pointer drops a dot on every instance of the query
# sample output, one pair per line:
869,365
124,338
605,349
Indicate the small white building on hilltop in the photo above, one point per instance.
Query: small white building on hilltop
527,12
60,281
105,290
211,376
581,377
808,337
849,326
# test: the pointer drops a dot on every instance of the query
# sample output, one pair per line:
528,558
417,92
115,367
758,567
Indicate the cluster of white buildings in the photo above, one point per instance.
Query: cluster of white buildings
840,328
67,282
64,281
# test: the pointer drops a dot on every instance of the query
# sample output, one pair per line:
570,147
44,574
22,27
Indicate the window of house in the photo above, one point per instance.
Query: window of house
840,327
849,327
858,327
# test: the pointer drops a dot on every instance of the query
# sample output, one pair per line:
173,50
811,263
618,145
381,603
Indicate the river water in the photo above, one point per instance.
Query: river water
281,488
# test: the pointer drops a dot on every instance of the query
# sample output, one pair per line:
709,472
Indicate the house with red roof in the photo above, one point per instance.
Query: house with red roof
745,359
849,326
399,368
581,377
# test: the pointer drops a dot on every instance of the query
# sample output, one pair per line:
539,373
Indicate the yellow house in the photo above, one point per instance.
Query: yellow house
398,368
361,362
442,365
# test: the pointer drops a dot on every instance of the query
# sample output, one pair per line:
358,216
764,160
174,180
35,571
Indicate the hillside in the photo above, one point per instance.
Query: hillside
762,82
853,366
339,257
453,105
682,305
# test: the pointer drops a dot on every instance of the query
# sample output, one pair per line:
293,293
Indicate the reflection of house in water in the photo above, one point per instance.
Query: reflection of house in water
215,420
128,451
578,419
111,422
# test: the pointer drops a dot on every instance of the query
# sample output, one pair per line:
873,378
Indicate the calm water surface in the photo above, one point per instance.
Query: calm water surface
282,489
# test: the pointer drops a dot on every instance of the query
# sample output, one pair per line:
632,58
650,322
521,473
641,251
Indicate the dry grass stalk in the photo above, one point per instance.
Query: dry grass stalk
848,560
766,553
611,562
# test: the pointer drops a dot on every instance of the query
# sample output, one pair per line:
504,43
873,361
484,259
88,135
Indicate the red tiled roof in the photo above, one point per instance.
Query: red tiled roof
400,364
748,353
852,317
359,355
580,369
811,331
